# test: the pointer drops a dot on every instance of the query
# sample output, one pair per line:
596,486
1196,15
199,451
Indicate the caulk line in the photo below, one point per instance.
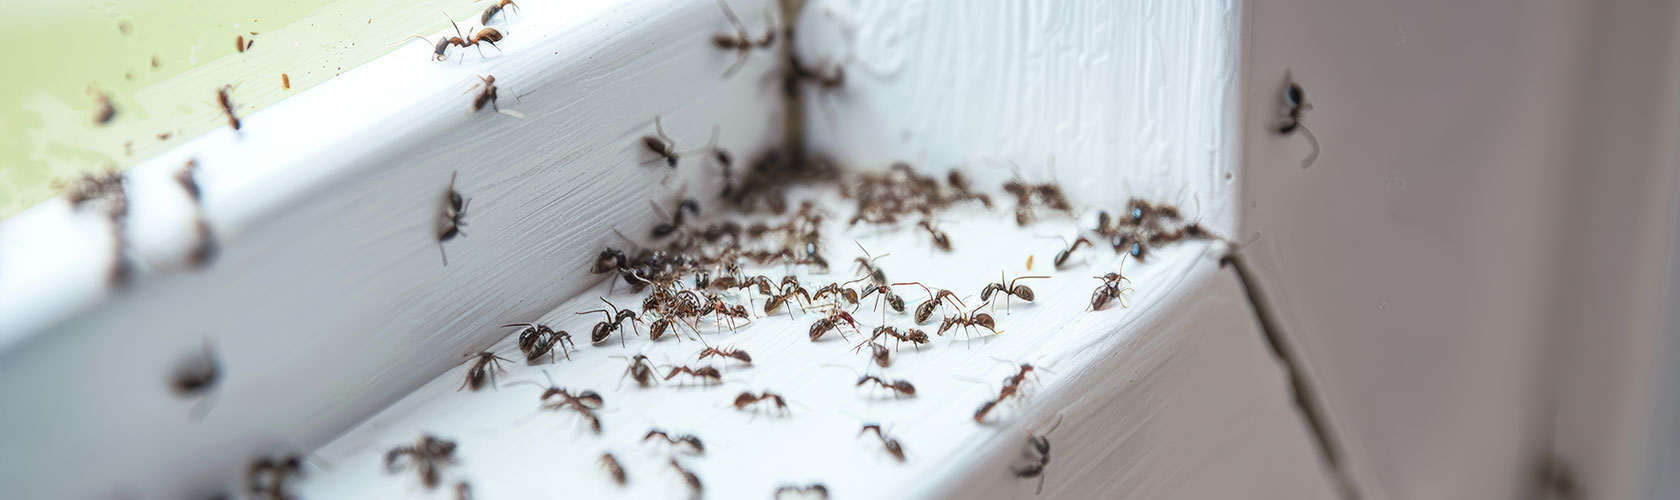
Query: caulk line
1307,398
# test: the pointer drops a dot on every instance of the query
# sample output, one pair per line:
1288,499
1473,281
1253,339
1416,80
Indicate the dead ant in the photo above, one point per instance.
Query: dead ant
742,42
1295,106
1039,448
614,322
1018,291
428,455
832,322
266,477
694,444
1011,386
536,340
973,318
1109,290
613,468
704,373
900,387
817,489
692,480
891,444
488,96
454,209
226,102
495,8
662,145
665,229
939,238
924,310
197,377
748,398
640,369
726,352
481,369
1062,256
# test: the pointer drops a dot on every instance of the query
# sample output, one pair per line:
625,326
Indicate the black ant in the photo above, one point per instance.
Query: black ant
640,369
1018,291
704,373
266,477
742,42
748,398
726,352
692,480
1062,256
495,8
939,238
810,489
694,444
613,468
1109,290
536,340
610,260
614,322
481,369
1039,447
428,456
891,444
662,145
226,102
1295,106
454,209
900,387
665,229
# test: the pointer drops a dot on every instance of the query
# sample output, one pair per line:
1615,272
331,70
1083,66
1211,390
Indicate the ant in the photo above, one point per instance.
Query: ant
939,238
488,96
891,444
876,276
536,340
495,8
613,468
704,373
1062,256
973,318
585,403
748,398
817,489
878,353
726,352
481,369
454,209
788,294
428,455
226,102
657,328
692,480
266,477
1295,106
640,369
665,229
197,377
895,302
847,294
614,322
900,387
662,145
694,444
610,260
914,337
1011,386
1039,447
742,42
489,35
1019,291
924,311
1109,290
832,322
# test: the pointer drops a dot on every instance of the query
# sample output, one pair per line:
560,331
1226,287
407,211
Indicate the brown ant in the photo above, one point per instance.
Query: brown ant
1011,386
428,456
847,294
924,310
1062,256
536,340
900,387
704,373
1039,447
1018,291
891,444
665,229
613,468
1109,290
585,403
614,322
266,477
878,353
197,377
742,42
662,145
939,238
1295,106
640,369
973,318
913,336
488,96
694,445
876,275
692,480
495,8
895,302
817,489
726,352
226,102
789,293
454,209
748,398
832,322
481,369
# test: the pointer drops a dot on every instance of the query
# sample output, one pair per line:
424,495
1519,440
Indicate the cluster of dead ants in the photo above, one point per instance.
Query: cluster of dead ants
1145,226
1028,196
427,456
884,197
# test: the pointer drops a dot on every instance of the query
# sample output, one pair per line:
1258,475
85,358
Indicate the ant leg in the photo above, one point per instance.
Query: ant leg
740,61
1308,161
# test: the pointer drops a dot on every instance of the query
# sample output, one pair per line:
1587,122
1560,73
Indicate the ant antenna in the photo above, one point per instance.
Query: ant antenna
1308,161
